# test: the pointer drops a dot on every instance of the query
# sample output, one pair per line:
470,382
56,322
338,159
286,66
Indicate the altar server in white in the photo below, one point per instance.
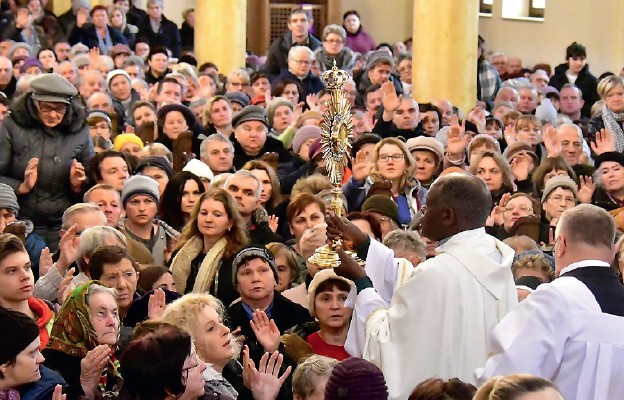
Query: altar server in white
570,331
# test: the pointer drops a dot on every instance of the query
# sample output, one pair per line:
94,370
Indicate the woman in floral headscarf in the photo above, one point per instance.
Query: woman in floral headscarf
83,341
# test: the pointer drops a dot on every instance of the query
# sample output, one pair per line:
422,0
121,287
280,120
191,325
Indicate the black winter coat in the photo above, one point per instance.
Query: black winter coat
87,35
168,35
277,58
23,136
271,145
585,81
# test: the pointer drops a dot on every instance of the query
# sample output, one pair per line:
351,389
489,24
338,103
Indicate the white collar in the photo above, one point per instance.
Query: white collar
584,263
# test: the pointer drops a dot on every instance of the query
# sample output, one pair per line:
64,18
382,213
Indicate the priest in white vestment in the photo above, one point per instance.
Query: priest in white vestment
439,316
570,331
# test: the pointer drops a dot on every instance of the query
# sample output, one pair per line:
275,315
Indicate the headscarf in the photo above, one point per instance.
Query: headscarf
73,333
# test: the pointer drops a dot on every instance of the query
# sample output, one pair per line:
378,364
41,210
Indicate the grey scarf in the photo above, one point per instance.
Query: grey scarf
612,122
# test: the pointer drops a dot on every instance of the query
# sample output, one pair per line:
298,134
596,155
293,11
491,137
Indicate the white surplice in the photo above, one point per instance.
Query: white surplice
560,333
438,320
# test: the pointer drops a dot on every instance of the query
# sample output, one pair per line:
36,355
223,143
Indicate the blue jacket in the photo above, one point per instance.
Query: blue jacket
310,84
44,387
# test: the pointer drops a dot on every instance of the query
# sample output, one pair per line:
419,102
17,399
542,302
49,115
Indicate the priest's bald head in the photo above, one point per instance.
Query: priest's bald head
585,232
456,202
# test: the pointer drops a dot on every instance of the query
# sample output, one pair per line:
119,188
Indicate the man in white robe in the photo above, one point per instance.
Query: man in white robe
570,331
441,313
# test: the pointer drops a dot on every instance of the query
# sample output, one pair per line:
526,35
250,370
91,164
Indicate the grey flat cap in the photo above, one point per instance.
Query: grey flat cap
250,113
53,88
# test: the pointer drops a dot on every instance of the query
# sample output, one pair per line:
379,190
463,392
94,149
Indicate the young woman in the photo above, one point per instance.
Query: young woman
271,196
209,242
179,199
218,116
495,171
83,342
154,277
391,161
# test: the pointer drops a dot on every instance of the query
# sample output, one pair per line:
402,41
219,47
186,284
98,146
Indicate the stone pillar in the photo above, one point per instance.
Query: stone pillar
445,51
220,33
258,26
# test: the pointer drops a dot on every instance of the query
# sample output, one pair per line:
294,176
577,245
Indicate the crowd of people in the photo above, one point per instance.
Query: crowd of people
158,215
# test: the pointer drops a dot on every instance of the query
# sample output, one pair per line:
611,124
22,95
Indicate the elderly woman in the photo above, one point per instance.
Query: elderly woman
495,171
428,153
333,49
209,242
611,91
610,178
217,116
327,294
357,39
83,341
502,221
202,315
391,161
44,146
237,81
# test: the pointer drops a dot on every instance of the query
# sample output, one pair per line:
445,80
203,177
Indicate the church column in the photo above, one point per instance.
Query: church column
258,26
445,51
220,33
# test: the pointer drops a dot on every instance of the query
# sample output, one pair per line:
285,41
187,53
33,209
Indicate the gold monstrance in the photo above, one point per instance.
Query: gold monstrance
336,146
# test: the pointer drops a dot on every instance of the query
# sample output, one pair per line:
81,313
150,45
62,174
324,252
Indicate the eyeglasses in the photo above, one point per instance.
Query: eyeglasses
239,84
334,41
559,199
48,108
303,62
394,157
521,208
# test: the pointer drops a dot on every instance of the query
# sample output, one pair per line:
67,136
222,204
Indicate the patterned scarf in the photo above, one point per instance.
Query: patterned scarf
612,122
73,333
9,394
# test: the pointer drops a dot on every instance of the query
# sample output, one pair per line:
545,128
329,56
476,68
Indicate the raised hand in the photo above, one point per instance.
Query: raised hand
91,368
456,138
389,98
69,248
77,175
58,393
298,110
82,16
603,143
94,58
156,304
312,239
30,177
586,189
65,287
496,216
45,261
361,167
266,331
552,145
312,101
477,117
521,166
266,382
273,223
510,135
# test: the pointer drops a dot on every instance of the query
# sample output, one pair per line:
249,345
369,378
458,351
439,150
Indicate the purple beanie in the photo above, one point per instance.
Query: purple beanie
303,134
356,378
31,62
